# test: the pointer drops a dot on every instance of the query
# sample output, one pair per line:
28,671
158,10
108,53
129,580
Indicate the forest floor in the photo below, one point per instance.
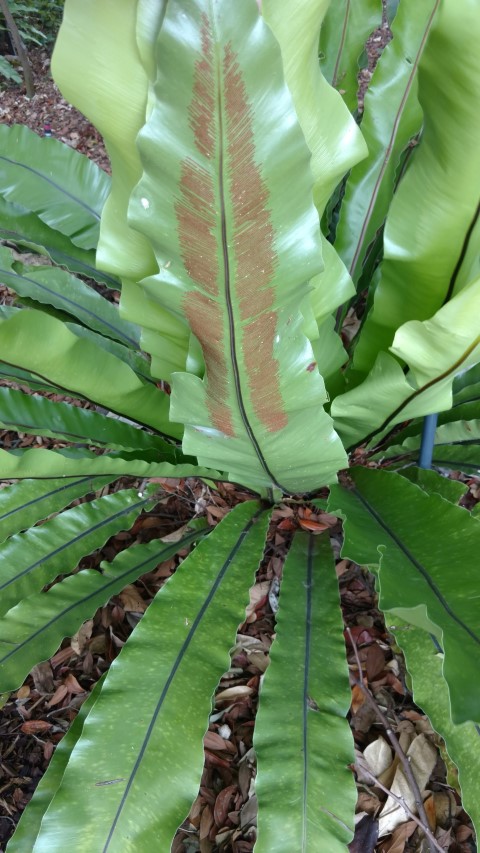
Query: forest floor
34,718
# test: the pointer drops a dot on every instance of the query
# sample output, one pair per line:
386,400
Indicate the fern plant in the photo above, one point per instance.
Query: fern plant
293,352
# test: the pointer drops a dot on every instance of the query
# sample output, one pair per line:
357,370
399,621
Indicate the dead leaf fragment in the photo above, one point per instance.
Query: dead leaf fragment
79,640
34,727
422,757
132,601
236,692
43,677
378,755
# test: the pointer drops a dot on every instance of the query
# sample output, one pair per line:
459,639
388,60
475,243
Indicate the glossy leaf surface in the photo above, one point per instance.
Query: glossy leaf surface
419,578
392,116
34,558
346,27
177,678
305,791
235,255
431,481
26,229
34,629
432,235
60,289
45,346
41,416
81,463
24,503
64,188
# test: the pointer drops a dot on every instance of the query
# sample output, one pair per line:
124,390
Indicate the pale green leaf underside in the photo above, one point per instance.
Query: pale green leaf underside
163,670
432,234
50,464
392,523
330,131
235,255
424,663
111,68
392,116
33,630
344,32
43,345
306,793
41,416
435,351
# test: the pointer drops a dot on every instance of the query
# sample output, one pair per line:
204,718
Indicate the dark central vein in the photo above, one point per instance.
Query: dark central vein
52,183
306,673
76,306
228,296
461,256
175,667
418,566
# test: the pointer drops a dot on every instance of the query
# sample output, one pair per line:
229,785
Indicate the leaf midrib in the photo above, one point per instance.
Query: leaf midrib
228,289
417,565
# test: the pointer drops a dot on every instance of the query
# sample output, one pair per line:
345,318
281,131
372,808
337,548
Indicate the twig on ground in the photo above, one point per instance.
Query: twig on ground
404,806
407,769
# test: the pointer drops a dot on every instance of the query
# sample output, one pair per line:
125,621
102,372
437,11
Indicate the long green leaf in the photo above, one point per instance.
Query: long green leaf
164,670
463,411
26,229
235,255
392,116
332,136
424,663
466,382
306,793
29,824
44,345
41,416
33,630
431,481
435,350
455,458
458,458
63,187
59,288
50,464
111,68
346,27
432,234
134,358
330,131
24,503
392,522
126,63
34,558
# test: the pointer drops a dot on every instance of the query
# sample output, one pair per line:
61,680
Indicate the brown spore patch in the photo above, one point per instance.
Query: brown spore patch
205,319
254,250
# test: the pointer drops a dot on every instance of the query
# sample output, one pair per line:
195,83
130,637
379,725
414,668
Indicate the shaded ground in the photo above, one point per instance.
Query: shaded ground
36,716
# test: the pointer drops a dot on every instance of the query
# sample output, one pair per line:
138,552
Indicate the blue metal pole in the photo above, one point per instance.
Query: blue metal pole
428,439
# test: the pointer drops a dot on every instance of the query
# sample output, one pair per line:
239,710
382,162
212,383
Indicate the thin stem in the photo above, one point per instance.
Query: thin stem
407,769
401,802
